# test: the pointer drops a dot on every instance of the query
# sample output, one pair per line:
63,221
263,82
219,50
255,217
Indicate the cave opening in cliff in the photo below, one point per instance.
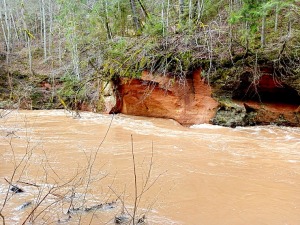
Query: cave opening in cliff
266,90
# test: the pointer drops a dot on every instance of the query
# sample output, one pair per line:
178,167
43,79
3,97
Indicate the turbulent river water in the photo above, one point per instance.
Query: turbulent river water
80,170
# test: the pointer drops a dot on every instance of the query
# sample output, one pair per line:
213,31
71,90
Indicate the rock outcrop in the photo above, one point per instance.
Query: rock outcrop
190,101
187,101
237,99
262,101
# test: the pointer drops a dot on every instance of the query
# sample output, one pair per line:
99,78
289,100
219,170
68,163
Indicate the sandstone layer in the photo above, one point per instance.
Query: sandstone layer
188,101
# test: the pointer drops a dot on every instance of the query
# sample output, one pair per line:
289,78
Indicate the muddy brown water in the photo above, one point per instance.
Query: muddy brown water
206,175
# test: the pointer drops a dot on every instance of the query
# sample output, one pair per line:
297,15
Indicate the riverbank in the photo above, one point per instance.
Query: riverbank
193,99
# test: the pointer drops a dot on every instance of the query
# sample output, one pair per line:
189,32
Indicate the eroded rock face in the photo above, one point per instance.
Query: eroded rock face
109,97
187,101
267,88
190,101
249,113
264,101
275,113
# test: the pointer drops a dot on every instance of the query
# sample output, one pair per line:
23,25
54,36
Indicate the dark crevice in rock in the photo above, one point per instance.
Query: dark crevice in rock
266,89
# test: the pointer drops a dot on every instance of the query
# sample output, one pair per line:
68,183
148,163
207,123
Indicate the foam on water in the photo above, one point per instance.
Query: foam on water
207,126
262,155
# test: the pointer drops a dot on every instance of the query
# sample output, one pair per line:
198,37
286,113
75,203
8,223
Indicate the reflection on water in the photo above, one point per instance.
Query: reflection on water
199,175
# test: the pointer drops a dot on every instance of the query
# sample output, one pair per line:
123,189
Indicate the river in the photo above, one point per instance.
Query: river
81,171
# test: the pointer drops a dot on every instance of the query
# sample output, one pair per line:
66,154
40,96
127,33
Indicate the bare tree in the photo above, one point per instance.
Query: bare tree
200,6
28,37
263,31
108,30
44,28
276,17
181,7
135,16
6,30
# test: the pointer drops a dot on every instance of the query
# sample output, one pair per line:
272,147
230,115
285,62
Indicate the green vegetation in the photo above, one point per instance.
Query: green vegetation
86,42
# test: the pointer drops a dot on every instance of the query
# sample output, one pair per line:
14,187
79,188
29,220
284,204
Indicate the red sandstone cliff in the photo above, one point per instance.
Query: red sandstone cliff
190,101
187,101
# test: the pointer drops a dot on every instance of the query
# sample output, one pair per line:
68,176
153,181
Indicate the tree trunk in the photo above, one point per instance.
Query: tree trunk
134,15
108,30
44,29
190,13
50,27
15,27
8,32
143,8
230,29
276,18
200,9
167,19
163,18
28,37
247,37
263,31
4,32
181,7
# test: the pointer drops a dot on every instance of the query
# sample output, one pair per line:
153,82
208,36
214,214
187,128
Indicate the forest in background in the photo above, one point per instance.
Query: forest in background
81,44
